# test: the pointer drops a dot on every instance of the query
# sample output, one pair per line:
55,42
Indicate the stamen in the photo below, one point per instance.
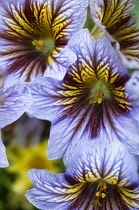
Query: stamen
97,194
38,43
103,195
100,194
99,97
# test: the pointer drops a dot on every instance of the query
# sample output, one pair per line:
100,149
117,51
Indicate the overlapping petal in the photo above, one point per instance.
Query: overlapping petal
34,35
12,103
113,16
112,166
132,88
3,158
67,104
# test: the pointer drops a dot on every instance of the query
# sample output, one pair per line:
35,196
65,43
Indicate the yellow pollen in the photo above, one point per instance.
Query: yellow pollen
100,194
38,43
99,100
99,97
97,194
103,195
104,186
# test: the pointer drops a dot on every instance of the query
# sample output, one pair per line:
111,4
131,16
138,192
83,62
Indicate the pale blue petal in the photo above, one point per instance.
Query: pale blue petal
13,104
96,160
57,69
67,135
49,191
132,90
90,50
3,158
45,104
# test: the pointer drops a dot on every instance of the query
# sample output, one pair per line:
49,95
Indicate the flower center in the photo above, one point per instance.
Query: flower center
98,92
100,193
44,45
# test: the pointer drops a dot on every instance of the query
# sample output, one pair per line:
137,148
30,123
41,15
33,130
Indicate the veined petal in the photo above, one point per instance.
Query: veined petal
12,104
44,106
132,87
3,158
113,16
67,135
96,160
94,169
35,33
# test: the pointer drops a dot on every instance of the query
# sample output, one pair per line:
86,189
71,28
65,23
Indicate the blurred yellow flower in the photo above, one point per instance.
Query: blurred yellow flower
24,158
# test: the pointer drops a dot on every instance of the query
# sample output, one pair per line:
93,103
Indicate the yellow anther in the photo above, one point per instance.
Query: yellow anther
100,183
104,186
41,43
99,97
99,100
97,194
38,43
98,93
103,195
100,194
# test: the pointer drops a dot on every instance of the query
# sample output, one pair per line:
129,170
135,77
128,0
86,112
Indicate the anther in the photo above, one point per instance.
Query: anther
99,97
38,43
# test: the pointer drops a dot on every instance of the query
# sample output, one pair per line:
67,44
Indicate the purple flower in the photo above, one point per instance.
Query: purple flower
34,35
113,18
90,103
97,178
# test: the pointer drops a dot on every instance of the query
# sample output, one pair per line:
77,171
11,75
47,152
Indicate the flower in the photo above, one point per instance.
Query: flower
13,104
98,177
90,103
113,18
24,158
35,33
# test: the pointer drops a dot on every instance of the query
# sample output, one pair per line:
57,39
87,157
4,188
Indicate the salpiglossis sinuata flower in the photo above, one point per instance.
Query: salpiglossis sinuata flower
34,35
97,178
90,103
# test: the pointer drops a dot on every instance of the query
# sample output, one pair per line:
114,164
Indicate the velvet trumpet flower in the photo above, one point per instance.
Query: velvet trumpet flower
92,102
114,19
97,178
34,35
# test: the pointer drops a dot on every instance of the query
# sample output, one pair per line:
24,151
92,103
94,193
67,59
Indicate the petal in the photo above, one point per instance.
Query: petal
13,104
51,190
95,160
63,60
45,103
3,158
67,135
132,87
